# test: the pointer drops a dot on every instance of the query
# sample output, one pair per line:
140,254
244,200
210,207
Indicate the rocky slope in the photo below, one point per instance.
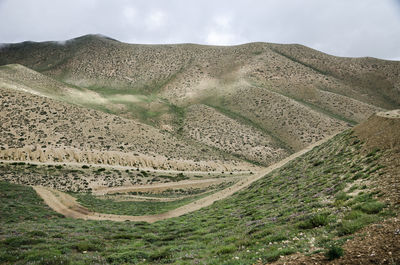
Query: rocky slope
283,97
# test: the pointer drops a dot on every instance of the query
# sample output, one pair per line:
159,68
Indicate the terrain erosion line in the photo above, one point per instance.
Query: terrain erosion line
68,206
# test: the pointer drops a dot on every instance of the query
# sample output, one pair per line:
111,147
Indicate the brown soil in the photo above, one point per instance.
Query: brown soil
162,186
375,244
381,131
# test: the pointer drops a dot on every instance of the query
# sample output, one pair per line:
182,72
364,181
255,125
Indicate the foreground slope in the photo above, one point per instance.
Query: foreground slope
283,97
315,203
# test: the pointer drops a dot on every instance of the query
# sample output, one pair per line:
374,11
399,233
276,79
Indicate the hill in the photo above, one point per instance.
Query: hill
282,97
37,128
340,196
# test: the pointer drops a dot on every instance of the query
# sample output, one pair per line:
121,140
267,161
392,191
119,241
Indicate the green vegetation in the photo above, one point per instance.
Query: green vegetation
277,215
334,252
131,207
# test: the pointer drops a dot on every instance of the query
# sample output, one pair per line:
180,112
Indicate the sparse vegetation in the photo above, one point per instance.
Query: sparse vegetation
127,123
248,225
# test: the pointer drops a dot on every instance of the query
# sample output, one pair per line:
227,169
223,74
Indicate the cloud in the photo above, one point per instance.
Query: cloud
220,31
220,38
155,20
341,27
129,15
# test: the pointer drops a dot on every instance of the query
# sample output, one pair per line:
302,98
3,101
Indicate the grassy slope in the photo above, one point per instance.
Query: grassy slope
315,201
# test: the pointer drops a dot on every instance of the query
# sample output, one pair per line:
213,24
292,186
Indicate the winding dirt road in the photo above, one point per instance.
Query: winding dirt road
68,206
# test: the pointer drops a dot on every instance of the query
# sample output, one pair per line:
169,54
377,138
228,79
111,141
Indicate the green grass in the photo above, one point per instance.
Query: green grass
260,222
131,207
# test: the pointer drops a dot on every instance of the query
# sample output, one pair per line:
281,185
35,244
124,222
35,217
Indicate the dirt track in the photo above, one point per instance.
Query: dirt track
201,183
68,206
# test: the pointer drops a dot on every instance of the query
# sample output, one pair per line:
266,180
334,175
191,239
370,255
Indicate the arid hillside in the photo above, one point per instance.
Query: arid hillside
258,102
36,128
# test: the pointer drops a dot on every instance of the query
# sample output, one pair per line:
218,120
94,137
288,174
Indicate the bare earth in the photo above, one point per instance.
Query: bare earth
162,186
68,206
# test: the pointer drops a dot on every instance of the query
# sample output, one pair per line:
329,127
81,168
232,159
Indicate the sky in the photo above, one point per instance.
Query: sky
351,28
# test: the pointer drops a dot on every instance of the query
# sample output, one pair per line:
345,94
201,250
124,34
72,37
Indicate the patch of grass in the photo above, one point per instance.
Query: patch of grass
130,207
87,246
275,254
373,207
226,249
334,252
348,227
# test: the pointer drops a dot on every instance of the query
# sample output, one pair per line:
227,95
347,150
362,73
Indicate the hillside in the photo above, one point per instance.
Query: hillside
37,128
266,100
339,201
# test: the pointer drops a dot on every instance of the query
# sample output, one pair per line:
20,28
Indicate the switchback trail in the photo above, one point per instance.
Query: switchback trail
68,206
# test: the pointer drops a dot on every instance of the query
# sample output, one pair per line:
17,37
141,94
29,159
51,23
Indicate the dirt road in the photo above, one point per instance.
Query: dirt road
200,183
68,206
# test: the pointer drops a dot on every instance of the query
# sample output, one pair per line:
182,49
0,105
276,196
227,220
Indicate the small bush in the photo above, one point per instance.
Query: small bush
161,254
85,166
353,215
342,196
314,221
348,227
334,252
318,163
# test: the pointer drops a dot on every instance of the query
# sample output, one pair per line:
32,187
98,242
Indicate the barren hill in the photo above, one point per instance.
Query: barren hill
257,101
36,128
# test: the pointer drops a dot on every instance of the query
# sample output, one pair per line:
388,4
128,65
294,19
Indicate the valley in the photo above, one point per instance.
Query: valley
116,153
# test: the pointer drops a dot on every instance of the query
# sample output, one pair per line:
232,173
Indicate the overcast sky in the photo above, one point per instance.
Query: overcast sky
339,27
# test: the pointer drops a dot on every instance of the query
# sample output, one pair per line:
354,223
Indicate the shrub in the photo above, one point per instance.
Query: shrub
371,207
314,221
348,227
353,215
161,254
334,252
342,196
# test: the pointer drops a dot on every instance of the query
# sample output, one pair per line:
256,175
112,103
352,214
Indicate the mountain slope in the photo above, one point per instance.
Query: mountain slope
38,128
285,96
342,195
